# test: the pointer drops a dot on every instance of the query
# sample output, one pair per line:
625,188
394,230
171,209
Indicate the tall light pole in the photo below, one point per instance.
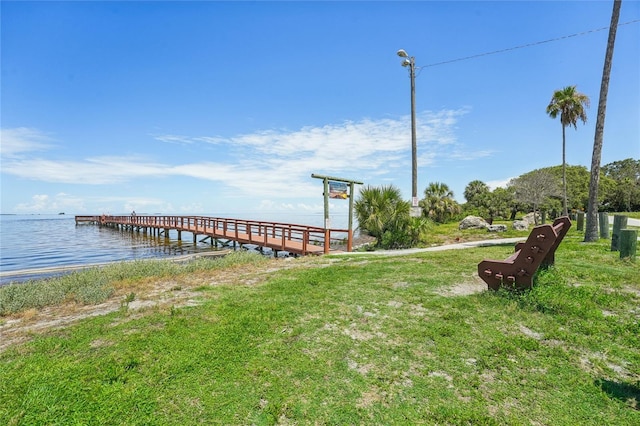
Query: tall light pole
410,61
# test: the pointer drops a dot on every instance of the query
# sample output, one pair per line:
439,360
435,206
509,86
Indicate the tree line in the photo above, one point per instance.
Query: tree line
546,189
383,213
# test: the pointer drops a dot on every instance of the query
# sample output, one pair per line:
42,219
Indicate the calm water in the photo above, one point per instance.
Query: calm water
32,242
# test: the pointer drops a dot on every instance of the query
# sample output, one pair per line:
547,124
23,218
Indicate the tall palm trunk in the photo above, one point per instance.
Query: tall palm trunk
591,231
564,172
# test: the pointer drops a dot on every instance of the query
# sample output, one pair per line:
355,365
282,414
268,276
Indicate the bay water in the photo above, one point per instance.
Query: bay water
35,246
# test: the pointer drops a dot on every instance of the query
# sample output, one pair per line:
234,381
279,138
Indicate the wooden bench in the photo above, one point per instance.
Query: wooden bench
517,271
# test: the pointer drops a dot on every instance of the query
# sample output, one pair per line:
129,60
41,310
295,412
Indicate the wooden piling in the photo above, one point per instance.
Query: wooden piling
603,223
580,226
619,223
628,243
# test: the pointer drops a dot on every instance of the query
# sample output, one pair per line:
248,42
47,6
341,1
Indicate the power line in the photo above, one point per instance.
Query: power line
526,45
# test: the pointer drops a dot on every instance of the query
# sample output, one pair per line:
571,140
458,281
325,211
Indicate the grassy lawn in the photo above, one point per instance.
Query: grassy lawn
634,215
412,339
449,233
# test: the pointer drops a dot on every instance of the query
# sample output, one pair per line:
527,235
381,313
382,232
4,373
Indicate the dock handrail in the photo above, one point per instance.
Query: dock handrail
296,238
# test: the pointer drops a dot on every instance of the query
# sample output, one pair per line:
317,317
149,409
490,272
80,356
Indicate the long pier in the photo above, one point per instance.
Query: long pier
295,239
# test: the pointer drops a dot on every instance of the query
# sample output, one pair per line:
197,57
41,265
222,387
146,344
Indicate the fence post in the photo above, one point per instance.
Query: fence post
628,243
603,222
580,221
619,223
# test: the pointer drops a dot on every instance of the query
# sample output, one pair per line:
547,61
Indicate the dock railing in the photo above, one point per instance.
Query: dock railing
299,239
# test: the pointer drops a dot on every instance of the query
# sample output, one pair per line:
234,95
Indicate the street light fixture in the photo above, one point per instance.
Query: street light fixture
410,61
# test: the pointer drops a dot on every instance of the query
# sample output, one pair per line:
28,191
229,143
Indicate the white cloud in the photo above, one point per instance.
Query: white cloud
176,139
43,203
470,155
270,163
62,202
95,171
21,140
502,183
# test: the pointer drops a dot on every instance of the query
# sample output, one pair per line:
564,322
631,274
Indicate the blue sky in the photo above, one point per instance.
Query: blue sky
227,108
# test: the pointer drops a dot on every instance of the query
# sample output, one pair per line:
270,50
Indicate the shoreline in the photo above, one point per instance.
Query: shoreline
53,270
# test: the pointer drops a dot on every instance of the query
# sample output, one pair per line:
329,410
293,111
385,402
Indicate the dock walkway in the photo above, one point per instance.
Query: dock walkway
295,239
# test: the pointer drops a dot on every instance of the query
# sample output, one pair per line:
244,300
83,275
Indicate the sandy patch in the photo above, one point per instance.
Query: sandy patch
149,294
473,286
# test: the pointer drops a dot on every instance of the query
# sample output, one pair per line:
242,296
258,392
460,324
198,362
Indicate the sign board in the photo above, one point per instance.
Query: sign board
338,190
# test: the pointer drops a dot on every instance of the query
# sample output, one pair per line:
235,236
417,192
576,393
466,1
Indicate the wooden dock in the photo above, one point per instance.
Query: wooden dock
295,239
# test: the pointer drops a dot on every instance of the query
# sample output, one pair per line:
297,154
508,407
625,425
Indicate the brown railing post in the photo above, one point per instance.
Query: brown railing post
283,239
305,240
327,240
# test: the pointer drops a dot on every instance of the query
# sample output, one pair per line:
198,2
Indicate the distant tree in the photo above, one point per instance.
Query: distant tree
570,105
624,194
500,203
438,203
535,188
474,190
624,169
552,206
591,231
577,179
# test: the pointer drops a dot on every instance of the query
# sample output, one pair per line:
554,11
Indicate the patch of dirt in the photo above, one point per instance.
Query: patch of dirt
362,369
530,333
161,294
358,242
371,397
473,286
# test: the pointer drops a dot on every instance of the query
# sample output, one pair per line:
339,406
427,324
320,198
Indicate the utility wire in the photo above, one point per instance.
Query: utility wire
526,45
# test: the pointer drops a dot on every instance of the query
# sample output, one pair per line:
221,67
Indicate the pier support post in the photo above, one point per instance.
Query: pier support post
580,226
603,223
619,223
580,221
628,243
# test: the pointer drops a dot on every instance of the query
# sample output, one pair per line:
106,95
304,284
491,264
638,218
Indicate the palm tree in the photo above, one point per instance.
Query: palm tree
380,210
570,105
474,190
591,231
438,203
